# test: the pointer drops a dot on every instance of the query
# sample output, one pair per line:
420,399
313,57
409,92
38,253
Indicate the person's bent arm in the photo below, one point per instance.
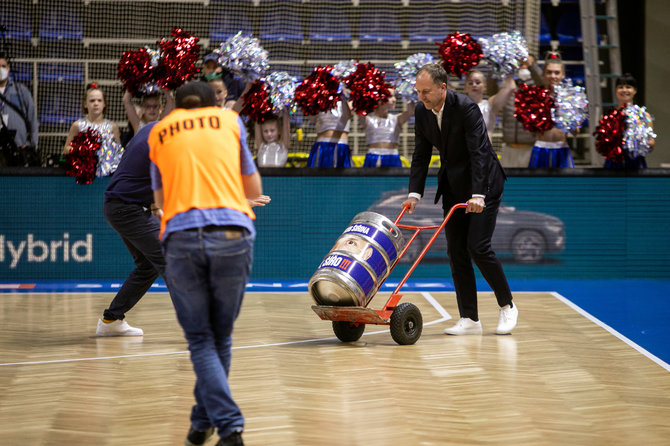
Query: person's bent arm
74,129
253,187
131,113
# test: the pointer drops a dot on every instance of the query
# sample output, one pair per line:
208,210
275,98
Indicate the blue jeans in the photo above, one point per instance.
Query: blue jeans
207,273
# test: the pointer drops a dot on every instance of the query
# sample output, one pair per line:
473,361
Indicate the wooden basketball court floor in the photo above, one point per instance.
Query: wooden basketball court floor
560,378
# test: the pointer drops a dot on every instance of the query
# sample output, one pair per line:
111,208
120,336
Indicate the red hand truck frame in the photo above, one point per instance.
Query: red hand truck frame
405,320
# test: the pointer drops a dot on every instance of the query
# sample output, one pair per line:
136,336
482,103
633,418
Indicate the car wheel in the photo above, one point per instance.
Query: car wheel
528,246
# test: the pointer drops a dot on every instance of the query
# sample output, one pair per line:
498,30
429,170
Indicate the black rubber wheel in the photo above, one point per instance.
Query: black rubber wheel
348,332
406,324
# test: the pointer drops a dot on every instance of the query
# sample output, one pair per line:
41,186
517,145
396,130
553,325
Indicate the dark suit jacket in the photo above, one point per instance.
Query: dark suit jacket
469,165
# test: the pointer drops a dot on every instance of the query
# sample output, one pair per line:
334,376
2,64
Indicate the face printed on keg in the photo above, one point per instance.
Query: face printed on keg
354,245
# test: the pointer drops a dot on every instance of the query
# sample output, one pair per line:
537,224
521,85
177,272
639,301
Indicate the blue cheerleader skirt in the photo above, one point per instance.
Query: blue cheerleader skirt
629,162
382,158
329,154
550,154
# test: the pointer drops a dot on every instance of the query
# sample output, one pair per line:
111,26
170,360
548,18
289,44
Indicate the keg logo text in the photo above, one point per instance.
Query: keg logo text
335,261
38,251
361,229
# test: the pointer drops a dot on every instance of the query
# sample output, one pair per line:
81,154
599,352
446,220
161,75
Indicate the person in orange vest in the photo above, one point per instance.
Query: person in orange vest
203,175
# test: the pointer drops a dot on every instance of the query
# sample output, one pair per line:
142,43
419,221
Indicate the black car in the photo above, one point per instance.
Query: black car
526,235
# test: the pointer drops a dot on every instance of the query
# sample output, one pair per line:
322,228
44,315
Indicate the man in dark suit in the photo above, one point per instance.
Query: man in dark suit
470,173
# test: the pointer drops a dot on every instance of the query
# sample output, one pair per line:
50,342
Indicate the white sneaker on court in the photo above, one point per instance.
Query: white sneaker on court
507,319
465,326
117,328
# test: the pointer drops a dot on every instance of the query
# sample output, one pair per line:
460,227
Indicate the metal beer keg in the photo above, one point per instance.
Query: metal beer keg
358,264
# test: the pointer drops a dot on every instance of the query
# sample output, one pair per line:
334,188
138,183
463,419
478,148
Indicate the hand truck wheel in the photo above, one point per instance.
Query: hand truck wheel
406,324
348,332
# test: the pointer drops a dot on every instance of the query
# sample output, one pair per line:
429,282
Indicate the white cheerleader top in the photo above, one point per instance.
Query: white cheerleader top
382,129
332,120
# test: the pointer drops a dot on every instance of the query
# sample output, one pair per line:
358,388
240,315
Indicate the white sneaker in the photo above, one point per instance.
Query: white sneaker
465,326
117,328
507,319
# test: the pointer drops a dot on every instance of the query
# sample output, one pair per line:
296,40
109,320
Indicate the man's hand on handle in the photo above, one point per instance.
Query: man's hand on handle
475,205
411,202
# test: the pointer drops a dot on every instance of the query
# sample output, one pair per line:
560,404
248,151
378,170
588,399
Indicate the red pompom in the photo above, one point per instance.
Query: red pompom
318,92
178,58
460,53
367,88
257,103
609,135
82,160
134,70
532,108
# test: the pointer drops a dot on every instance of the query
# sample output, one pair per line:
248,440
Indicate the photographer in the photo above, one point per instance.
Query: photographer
18,125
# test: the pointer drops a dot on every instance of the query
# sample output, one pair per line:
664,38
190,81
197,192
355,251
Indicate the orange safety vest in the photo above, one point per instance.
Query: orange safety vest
198,154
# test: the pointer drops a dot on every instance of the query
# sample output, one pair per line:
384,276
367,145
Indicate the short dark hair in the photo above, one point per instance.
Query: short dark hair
626,79
195,94
436,72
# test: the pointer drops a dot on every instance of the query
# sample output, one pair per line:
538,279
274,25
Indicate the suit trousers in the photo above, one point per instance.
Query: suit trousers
469,239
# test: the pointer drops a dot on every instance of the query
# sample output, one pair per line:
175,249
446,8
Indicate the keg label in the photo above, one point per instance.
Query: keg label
377,236
352,268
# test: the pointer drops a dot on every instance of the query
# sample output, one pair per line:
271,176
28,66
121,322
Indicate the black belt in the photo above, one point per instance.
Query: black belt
214,228
118,200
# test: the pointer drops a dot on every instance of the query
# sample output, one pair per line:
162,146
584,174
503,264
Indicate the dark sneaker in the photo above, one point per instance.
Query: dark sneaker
198,438
234,439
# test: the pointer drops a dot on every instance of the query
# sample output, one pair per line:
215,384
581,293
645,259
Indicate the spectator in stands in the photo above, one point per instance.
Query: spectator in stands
626,89
228,89
551,147
475,85
517,141
151,109
382,133
19,127
215,80
272,138
331,148
94,107
210,64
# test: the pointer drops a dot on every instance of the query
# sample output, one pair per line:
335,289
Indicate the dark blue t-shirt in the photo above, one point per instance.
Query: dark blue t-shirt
131,181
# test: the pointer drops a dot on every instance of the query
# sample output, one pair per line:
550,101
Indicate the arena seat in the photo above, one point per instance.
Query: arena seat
224,24
423,27
331,27
282,23
60,72
61,22
379,25
17,21
60,107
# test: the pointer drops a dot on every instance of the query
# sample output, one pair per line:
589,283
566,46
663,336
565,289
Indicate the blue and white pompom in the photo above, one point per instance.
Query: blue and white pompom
571,107
505,52
151,88
344,68
243,55
407,70
281,90
638,131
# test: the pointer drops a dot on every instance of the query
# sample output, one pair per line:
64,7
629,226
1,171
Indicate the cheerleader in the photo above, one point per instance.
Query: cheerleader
382,133
626,89
331,148
551,147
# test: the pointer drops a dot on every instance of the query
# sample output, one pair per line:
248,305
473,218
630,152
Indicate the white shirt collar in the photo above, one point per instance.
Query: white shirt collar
438,115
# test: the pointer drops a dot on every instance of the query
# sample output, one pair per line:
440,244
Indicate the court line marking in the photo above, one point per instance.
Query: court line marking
445,316
612,331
